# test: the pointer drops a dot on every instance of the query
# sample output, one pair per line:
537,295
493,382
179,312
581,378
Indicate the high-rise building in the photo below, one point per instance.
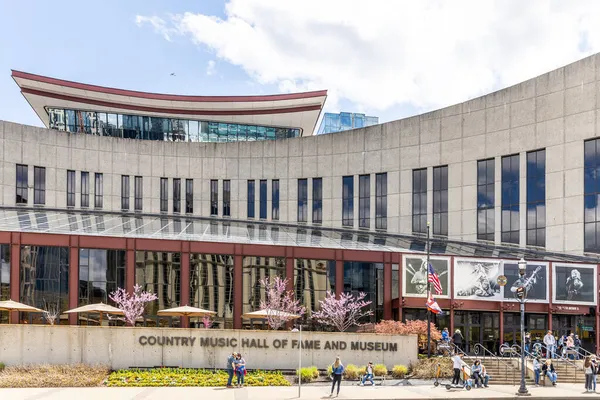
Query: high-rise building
344,121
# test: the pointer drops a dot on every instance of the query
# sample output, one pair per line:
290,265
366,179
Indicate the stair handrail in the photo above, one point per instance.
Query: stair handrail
517,348
498,359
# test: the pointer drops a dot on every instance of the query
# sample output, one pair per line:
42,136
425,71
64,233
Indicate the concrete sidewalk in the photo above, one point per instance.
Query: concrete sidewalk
564,391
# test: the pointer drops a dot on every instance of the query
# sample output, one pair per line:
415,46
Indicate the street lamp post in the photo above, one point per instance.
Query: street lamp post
521,294
428,294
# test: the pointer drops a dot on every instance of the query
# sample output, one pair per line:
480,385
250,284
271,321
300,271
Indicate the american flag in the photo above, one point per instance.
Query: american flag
435,279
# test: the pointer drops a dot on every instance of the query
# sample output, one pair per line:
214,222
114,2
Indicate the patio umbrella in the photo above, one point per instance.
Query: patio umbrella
99,308
185,311
9,305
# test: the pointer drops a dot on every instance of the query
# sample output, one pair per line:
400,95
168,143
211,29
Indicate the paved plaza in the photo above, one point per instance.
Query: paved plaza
565,391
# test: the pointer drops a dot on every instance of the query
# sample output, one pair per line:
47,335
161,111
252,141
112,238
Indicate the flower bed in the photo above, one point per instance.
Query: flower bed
189,377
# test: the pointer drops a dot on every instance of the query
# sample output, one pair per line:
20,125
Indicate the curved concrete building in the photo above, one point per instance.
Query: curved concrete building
515,173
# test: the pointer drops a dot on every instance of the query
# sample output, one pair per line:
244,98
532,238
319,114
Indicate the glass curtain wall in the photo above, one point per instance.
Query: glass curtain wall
254,270
4,279
367,278
312,280
211,287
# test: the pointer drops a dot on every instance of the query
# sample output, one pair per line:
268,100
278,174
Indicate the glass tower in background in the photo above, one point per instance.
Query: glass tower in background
344,121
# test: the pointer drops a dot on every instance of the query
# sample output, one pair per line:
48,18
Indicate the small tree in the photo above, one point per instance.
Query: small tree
280,303
343,313
133,305
207,321
417,327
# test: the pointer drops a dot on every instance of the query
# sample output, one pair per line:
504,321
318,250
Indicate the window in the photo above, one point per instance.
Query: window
125,192
211,286
22,184
348,201
510,199
485,199
227,198
312,280
164,194
317,200
98,192
536,198
591,186
214,197
275,199
139,193
70,188
302,200
263,199
101,272
176,195
440,201
85,189
364,201
189,196
381,201
39,185
419,218
250,211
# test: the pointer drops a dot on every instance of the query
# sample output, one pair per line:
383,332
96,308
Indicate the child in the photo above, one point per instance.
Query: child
368,375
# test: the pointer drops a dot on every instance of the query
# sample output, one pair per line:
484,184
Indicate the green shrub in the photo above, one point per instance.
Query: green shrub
308,374
380,370
2,366
351,372
399,371
189,377
362,370
329,370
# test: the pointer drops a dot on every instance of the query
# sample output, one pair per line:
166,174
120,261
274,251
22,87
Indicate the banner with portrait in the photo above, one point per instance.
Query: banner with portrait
574,284
477,279
535,280
414,280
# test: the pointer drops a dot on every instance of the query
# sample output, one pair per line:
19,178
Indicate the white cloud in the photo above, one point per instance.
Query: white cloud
159,25
210,67
382,54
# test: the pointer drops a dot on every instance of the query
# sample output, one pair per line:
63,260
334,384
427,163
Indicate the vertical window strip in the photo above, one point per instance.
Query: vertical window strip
440,201
364,201
510,199
317,200
381,201
419,219
486,199
536,198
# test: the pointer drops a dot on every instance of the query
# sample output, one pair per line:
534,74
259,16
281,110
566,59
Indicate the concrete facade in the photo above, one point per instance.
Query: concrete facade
123,347
556,111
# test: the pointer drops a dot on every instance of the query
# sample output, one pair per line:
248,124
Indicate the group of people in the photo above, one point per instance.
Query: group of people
479,374
544,369
236,365
567,346
457,338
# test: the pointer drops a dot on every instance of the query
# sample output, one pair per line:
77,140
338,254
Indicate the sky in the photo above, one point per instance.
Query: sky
390,59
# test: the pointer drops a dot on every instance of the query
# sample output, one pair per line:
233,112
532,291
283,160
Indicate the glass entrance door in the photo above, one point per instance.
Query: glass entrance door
478,327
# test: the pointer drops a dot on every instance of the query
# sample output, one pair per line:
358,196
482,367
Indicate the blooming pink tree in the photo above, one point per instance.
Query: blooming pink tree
279,303
134,304
342,313
207,321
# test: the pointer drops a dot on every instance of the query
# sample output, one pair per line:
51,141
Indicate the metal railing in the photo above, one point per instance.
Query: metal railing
486,355
529,359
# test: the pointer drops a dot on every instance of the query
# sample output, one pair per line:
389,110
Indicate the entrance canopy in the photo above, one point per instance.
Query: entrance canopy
189,228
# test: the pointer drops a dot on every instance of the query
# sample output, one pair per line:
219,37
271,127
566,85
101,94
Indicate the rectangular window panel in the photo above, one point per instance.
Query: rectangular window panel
317,200
263,199
39,185
591,188
227,198
176,195
139,193
98,190
70,188
485,199
85,189
275,199
302,200
22,184
214,197
125,192
251,198
381,201
348,201
536,198
189,196
440,201
364,201
419,212
164,195
510,199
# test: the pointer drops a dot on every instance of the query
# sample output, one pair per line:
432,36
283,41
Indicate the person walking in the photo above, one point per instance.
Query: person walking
589,373
595,367
230,369
548,370
550,343
240,369
368,375
337,369
458,338
577,344
571,346
457,364
537,370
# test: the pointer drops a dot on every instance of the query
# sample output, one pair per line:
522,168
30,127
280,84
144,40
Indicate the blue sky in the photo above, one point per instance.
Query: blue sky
389,59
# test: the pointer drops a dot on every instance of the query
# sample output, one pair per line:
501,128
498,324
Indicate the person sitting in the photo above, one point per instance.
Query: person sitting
537,369
548,370
368,375
476,373
485,376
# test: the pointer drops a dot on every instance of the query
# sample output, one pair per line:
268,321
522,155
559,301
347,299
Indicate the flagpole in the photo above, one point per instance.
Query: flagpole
428,297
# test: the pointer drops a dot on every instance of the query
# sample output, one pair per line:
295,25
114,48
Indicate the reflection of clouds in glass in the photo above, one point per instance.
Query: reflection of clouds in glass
98,265
5,273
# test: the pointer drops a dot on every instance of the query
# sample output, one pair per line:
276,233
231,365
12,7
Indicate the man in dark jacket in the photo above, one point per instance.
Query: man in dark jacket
457,338
230,369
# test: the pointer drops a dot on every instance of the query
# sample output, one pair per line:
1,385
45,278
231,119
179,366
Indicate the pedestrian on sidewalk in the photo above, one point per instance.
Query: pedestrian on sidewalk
537,370
457,364
240,369
368,375
589,373
337,369
230,369
550,343
594,376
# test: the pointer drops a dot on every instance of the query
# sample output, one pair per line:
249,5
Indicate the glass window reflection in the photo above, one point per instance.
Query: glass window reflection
211,287
4,279
254,270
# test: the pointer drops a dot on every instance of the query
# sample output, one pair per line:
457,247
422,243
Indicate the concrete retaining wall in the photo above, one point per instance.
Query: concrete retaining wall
124,347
